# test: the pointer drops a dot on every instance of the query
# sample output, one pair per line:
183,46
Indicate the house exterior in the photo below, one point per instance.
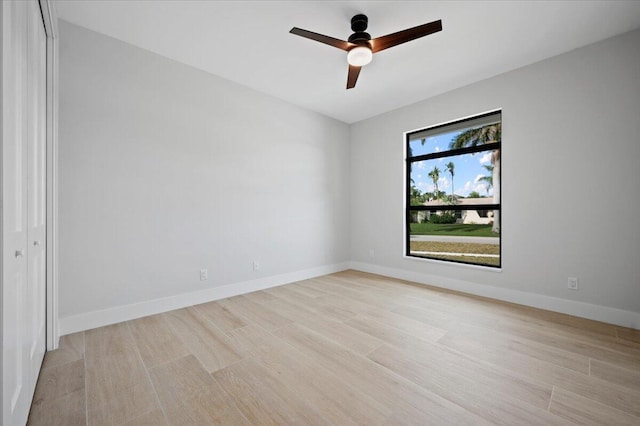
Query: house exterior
467,217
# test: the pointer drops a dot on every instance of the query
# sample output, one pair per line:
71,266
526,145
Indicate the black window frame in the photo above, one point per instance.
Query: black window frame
409,209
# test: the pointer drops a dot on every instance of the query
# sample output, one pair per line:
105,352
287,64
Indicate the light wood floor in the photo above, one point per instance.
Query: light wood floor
348,348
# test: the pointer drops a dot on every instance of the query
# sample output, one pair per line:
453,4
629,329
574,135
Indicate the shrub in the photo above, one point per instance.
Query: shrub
443,218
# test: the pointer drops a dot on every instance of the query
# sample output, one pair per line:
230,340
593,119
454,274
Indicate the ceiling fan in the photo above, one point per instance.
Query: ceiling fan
361,47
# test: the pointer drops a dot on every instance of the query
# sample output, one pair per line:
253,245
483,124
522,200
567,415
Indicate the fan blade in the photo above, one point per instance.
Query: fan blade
352,77
340,44
390,40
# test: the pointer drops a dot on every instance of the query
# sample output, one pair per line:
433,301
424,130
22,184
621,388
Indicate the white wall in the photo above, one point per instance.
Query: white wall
570,176
165,170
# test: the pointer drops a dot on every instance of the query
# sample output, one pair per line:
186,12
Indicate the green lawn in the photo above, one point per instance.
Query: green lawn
452,229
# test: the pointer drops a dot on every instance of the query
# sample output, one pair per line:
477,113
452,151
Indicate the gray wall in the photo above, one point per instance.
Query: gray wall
165,170
570,178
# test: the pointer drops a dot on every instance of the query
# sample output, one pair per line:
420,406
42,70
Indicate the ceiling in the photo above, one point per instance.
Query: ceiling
248,42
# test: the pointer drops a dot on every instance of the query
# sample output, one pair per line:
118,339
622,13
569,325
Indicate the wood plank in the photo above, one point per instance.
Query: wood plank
220,316
629,334
614,374
152,418
254,312
288,401
253,340
58,381
347,336
344,334
603,347
287,367
507,359
305,291
395,329
333,287
156,341
209,344
189,395
466,303
259,296
71,348
68,410
255,400
511,317
118,386
329,311
489,399
403,398
339,401
605,392
584,411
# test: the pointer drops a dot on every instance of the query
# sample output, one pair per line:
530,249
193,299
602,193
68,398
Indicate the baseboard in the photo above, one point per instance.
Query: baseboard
89,320
571,307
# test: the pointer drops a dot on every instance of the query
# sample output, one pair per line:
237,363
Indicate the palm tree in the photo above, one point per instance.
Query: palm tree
488,179
435,175
451,167
491,133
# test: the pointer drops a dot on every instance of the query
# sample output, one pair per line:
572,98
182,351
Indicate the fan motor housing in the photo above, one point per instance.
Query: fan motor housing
359,23
359,38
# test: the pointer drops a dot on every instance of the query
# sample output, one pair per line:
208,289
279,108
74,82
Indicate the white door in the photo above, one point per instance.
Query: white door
35,306
23,192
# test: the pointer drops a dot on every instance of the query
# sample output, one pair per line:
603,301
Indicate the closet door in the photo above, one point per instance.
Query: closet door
23,174
35,308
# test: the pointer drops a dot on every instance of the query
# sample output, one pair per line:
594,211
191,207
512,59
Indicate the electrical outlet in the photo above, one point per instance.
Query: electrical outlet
204,274
572,283
256,265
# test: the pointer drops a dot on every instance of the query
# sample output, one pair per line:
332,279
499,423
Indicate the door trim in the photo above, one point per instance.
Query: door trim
49,16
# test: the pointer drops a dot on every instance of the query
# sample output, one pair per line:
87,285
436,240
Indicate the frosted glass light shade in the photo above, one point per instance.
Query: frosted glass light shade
359,56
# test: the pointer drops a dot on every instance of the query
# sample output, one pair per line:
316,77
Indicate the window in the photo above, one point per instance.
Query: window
452,210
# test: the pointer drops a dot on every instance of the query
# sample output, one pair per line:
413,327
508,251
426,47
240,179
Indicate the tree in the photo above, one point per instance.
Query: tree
451,168
488,179
474,194
435,175
417,197
491,133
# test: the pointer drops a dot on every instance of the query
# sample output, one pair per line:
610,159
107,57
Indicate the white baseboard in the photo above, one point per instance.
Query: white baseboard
556,304
89,320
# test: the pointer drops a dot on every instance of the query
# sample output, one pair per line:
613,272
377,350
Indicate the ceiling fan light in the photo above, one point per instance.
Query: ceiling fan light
359,56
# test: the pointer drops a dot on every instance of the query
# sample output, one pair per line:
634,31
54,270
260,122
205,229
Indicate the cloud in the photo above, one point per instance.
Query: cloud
467,186
486,158
481,188
443,183
477,179
437,149
420,165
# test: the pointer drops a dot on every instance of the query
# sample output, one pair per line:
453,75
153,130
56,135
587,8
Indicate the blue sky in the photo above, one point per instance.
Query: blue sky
468,168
